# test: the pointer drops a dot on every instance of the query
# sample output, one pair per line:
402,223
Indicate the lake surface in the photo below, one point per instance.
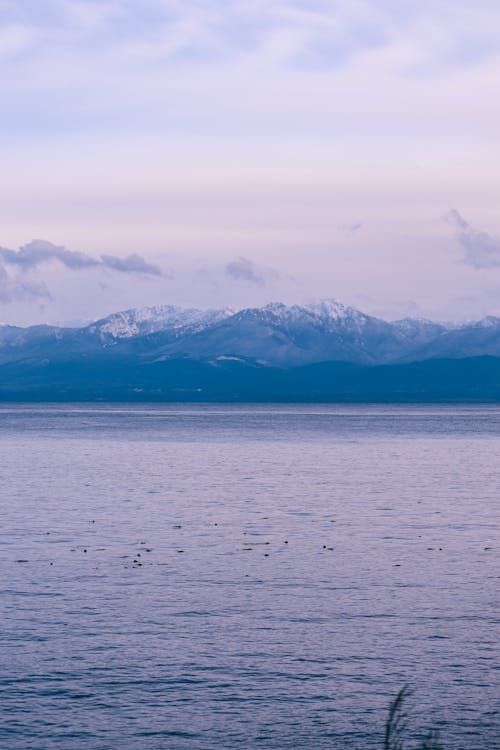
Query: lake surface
294,567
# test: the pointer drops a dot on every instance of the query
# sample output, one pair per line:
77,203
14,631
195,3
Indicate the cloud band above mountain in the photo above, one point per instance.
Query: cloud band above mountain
37,252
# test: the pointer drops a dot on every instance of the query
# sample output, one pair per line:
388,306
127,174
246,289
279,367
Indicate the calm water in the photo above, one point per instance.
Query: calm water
296,566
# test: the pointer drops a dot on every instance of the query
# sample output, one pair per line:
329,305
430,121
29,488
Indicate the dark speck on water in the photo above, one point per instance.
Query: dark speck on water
216,648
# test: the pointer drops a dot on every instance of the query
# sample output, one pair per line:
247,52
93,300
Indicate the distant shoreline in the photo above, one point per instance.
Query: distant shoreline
469,380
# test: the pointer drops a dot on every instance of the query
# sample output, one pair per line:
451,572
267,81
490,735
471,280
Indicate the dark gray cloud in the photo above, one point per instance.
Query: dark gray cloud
131,264
39,251
481,250
36,252
13,288
243,269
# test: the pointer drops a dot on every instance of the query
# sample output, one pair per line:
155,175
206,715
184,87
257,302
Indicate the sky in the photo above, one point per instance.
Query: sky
207,153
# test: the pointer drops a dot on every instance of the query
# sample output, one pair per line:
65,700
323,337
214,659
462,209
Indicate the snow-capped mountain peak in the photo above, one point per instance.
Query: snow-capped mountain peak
325,310
332,309
145,320
278,335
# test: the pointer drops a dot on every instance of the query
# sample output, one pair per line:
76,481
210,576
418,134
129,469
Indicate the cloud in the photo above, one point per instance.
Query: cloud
112,62
481,250
37,252
243,269
311,32
13,289
351,228
355,227
131,264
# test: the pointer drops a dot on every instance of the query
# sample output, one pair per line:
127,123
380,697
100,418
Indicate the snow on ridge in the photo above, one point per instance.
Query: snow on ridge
411,325
334,310
409,320
327,314
144,320
490,321
326,310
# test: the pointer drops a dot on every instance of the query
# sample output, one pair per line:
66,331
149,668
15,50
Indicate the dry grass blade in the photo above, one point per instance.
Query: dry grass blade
396,721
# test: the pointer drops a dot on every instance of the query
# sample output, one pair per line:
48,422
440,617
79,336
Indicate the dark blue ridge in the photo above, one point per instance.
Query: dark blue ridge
475,379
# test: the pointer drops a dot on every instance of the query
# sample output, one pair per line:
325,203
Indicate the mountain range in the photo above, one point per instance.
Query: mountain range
319,351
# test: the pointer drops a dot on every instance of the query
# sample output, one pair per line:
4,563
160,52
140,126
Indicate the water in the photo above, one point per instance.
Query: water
296,566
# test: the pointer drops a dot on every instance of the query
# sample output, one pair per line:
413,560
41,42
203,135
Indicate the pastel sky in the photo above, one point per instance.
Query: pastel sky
200,152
